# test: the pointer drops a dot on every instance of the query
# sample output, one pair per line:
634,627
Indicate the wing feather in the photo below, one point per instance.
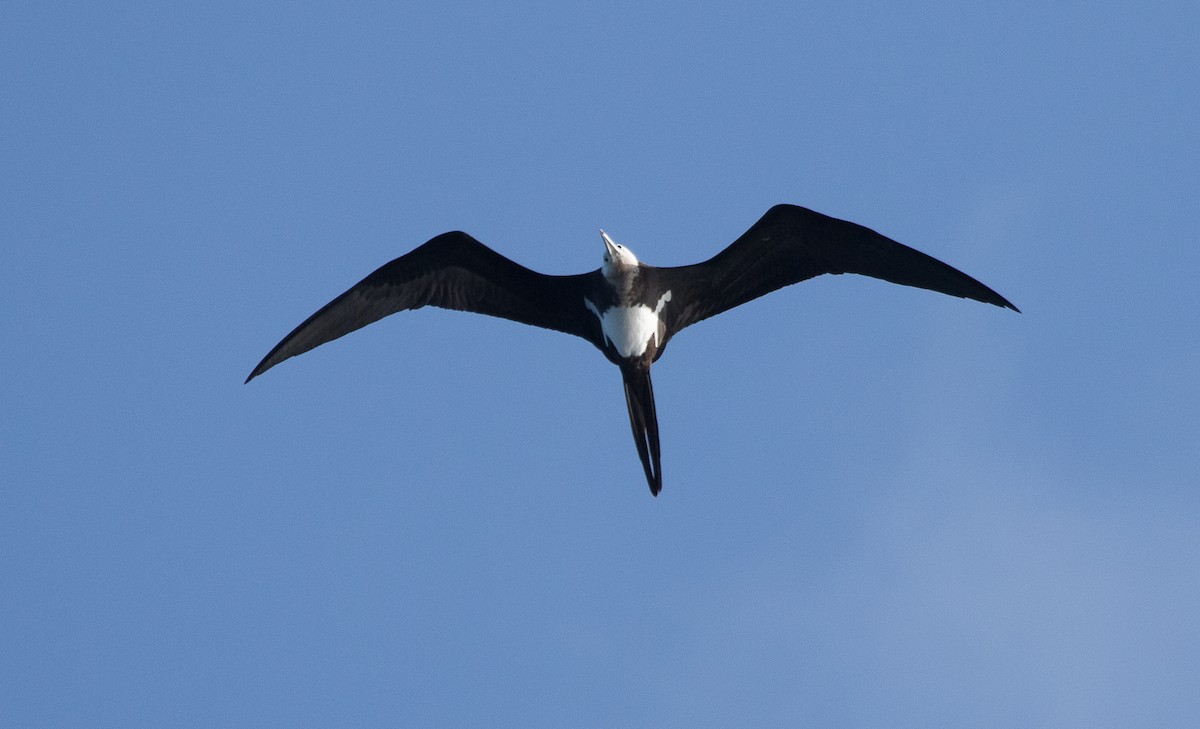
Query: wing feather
791,244
451,271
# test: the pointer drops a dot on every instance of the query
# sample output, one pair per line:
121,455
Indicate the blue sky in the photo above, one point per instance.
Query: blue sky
882,507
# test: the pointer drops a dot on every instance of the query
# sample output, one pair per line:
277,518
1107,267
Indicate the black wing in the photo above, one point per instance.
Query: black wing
791,244
451,271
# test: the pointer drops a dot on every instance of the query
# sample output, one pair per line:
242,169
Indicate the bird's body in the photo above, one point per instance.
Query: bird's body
628,304
627,309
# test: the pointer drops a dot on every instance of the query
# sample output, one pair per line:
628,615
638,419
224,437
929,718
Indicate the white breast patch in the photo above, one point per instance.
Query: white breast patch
630,328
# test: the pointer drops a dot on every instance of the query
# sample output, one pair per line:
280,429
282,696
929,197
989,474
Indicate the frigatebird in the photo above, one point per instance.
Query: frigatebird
627,309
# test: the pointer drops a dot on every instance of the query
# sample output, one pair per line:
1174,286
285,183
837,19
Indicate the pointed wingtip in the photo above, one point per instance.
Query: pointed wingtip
1002,302
256,372
267,363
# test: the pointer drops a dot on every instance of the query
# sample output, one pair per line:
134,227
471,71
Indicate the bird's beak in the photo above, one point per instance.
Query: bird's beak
608,243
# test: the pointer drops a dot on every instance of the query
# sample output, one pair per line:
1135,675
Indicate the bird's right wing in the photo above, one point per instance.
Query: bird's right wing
451,271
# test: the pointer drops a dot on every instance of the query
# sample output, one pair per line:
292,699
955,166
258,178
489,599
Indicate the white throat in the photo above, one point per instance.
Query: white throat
620,265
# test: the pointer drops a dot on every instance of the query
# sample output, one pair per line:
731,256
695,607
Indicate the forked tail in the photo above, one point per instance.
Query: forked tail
639,396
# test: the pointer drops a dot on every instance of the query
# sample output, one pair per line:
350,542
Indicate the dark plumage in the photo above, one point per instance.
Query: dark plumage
627,309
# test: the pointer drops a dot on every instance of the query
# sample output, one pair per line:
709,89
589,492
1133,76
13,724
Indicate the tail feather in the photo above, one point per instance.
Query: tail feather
639,396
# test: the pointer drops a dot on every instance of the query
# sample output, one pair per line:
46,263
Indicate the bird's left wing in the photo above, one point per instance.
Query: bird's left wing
451,271
791,244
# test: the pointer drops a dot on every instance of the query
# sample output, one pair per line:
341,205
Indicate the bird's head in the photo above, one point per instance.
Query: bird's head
617,258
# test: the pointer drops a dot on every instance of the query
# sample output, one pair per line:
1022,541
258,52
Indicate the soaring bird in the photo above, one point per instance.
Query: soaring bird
627,309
